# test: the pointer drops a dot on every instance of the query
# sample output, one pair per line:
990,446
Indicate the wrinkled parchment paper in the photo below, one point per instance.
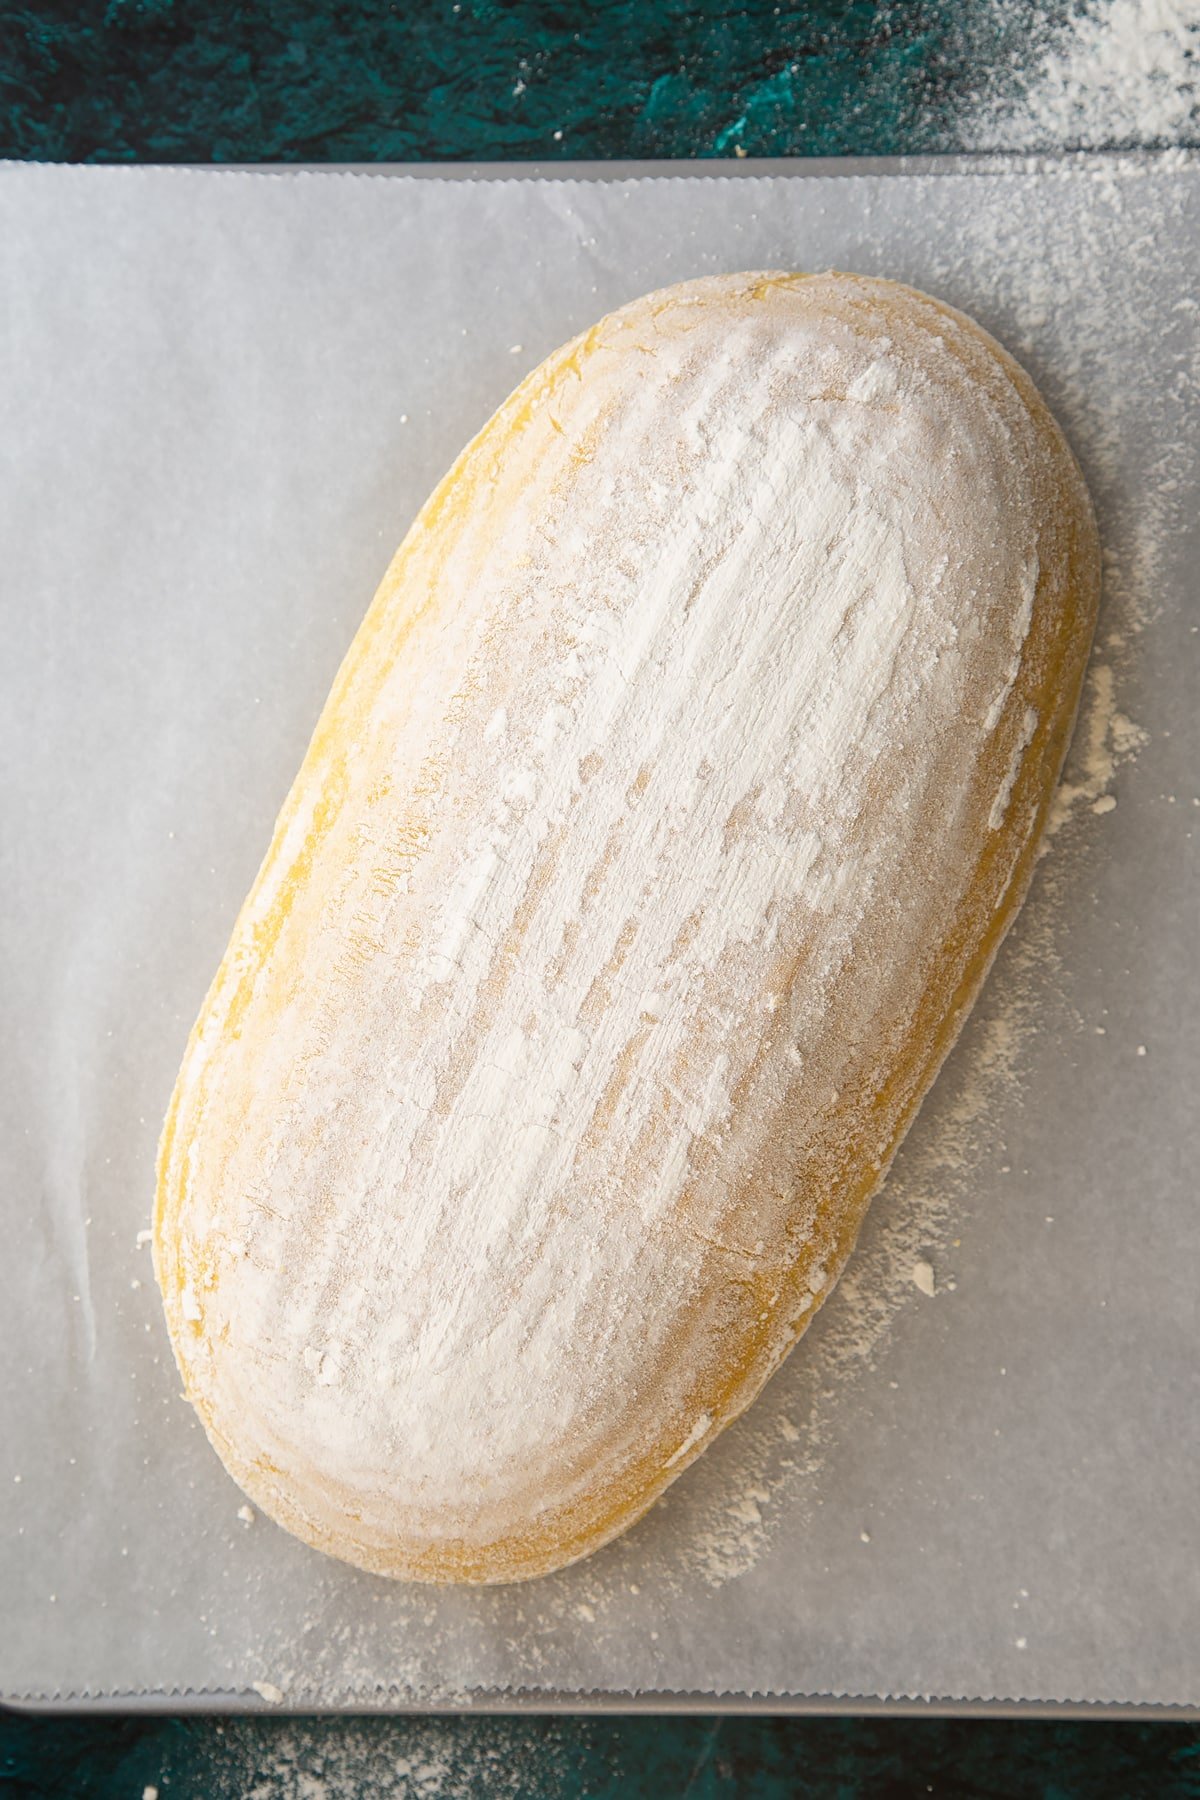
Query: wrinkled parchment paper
223,398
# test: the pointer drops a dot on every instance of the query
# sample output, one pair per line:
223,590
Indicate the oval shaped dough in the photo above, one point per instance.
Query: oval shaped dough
655,839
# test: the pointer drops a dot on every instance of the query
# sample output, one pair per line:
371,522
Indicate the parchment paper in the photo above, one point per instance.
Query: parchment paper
223,397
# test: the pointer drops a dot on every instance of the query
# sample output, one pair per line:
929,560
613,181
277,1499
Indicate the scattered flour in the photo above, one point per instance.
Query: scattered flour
385,1759
1120,72
1104,738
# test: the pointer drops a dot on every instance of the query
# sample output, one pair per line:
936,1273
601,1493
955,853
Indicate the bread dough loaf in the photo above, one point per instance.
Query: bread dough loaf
653,844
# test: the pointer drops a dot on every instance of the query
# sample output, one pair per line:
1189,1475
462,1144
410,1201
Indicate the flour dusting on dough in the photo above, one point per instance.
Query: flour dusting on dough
557,1049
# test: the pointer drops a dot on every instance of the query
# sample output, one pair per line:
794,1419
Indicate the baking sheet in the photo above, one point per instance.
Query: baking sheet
224,397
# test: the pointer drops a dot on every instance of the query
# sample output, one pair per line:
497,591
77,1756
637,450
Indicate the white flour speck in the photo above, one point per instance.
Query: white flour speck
922,1277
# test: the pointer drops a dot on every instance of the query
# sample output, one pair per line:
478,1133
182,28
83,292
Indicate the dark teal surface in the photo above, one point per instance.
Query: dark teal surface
159,80
607,1759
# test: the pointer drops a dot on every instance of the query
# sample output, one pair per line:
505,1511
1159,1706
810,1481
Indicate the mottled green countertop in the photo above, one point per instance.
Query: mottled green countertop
606,1759
154,80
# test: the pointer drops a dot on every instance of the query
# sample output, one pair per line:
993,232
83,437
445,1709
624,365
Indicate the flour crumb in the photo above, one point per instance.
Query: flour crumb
747,1510
149,1792
1127,738
266,1690
247,1514
1105,804
922,1277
